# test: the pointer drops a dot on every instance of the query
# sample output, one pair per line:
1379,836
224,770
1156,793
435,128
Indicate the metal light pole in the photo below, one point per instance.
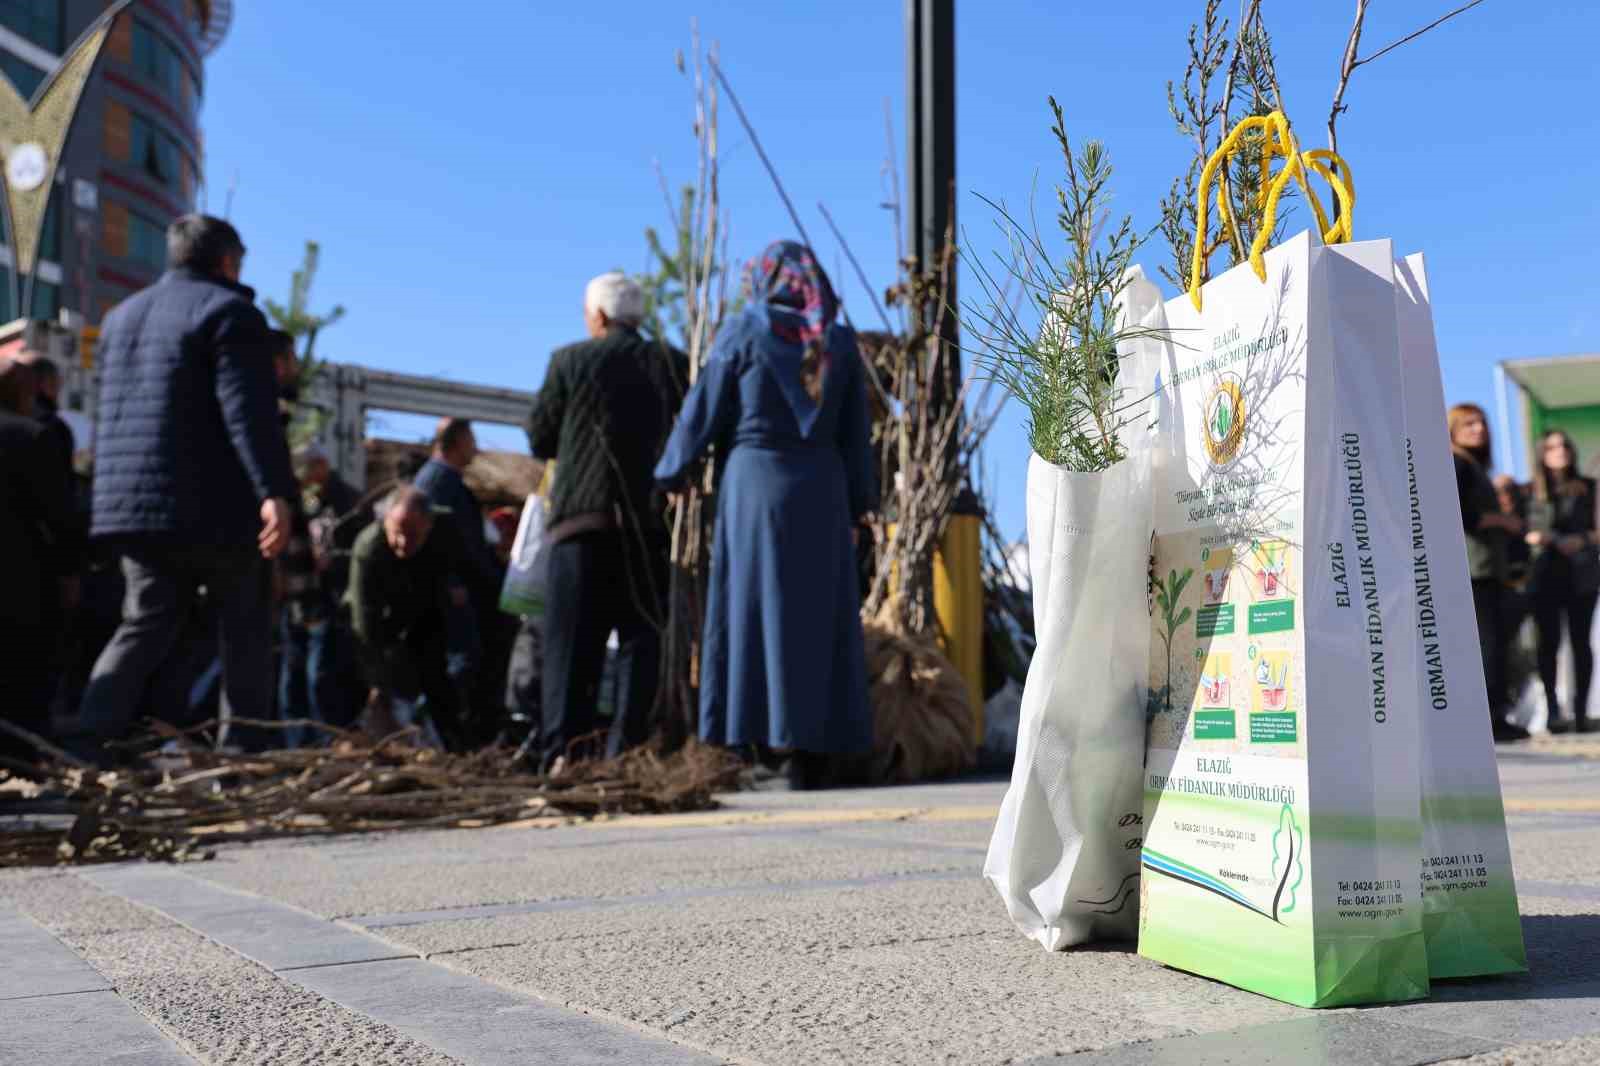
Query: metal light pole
931,130
931,189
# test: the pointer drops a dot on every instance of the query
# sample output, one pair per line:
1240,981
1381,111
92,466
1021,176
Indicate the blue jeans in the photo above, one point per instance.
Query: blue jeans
310,681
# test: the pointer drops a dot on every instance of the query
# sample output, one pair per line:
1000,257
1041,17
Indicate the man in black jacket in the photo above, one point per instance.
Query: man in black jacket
37,533
604,413
192,476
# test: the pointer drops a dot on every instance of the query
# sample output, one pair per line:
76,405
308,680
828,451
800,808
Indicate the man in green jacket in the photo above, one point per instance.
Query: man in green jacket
398,598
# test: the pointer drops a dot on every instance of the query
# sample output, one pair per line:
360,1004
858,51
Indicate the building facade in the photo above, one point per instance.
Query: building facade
134,159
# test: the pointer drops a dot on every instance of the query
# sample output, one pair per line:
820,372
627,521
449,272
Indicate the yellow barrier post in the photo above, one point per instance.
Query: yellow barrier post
958,601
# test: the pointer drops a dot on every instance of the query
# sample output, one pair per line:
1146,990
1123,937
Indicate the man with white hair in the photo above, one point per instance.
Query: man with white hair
603,414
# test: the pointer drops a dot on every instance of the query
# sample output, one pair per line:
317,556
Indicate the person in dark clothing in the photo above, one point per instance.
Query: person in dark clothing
1513,500
1563,519
192,477
398,597
47,405
604,413
1489,532
68,558
19,388
37,534
480,635
286,372
315,569
440,479
1516,606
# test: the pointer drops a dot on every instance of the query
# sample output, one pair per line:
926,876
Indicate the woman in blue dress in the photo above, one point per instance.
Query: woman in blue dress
783,401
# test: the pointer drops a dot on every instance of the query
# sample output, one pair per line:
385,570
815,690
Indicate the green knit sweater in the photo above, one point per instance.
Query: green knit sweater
603,414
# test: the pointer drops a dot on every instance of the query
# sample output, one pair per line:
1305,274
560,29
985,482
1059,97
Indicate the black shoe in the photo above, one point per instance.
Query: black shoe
1587,725
1506,732
1560,725
807,771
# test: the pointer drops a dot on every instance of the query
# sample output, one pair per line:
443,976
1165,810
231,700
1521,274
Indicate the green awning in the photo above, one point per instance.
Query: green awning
1558,381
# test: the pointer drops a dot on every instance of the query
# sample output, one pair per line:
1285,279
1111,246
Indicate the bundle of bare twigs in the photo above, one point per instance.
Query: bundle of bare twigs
930,422
174,803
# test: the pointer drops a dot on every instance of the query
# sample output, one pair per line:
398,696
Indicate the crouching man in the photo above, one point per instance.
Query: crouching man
399,598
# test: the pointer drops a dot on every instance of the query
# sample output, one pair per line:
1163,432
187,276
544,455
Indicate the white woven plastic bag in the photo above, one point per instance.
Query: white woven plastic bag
523,591
1065,850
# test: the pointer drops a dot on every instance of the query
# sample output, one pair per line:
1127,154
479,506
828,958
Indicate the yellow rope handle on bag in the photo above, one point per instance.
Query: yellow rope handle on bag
1277,140
1336,172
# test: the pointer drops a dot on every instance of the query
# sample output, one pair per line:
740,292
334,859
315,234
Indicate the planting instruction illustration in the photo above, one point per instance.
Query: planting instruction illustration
1226,665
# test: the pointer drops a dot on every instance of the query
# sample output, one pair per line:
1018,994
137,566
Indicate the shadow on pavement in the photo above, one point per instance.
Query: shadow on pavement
1562,954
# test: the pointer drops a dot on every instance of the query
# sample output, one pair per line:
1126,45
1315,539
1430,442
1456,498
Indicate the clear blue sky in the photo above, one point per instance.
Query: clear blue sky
466,173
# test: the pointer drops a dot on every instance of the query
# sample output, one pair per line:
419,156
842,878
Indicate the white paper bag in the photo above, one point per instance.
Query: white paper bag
1065,850
523,591
1469,895
1282,829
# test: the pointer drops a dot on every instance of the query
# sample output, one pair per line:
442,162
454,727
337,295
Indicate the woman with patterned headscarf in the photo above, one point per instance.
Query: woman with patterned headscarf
782,398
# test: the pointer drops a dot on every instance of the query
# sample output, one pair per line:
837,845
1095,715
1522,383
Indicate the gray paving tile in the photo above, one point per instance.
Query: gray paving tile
1558,890
277,936
1323,1040
96,1027
1552,823
881,840
484,1024
1507,1010
37,964
450,1012
502,910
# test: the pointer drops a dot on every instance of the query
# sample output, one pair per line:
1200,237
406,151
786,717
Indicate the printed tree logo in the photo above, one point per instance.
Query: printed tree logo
1224,420
1168,593
1287,845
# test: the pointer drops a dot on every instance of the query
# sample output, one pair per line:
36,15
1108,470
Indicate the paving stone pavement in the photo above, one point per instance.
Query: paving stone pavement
847,927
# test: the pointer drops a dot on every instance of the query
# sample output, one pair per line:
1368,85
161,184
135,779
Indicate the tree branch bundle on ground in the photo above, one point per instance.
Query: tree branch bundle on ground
174,802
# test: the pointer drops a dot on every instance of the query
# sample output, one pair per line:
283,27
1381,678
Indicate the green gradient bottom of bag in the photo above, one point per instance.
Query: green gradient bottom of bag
1478,940
1470,915
1248,917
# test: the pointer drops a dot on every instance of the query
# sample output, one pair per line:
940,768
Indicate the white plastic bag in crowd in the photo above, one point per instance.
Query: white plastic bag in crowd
1065,850
523,592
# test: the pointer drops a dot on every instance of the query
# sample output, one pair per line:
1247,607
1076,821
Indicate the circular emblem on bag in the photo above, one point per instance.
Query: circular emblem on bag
1223,431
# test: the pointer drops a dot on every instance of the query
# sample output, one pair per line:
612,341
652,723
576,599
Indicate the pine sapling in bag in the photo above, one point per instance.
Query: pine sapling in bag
1065,849
1282,831
1064,855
